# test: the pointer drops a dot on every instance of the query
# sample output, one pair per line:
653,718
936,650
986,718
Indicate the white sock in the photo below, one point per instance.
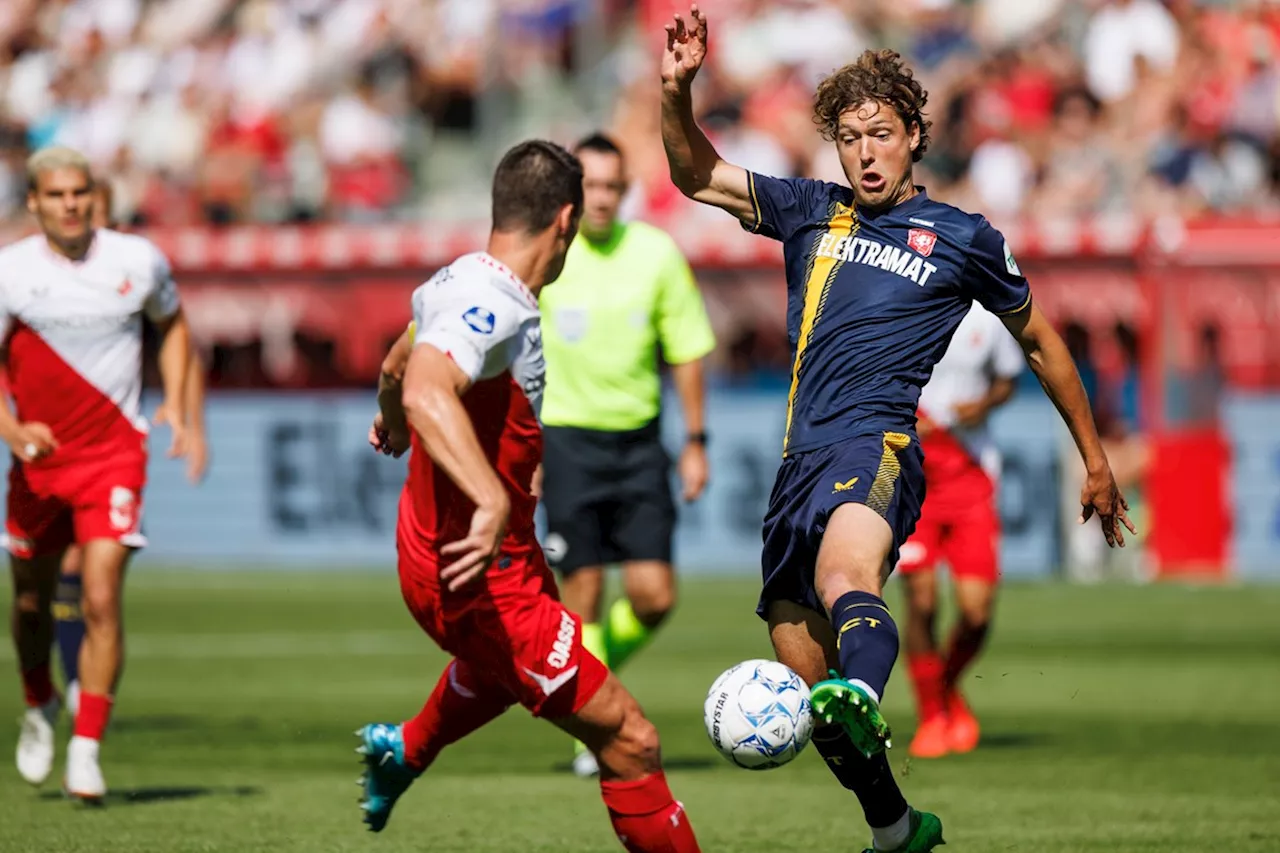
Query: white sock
893,836
866,687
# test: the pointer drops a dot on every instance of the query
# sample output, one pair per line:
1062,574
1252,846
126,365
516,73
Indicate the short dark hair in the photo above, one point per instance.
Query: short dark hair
599,142
534,180
877,75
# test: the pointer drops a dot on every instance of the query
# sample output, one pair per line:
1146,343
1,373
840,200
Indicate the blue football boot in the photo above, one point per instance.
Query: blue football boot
386,776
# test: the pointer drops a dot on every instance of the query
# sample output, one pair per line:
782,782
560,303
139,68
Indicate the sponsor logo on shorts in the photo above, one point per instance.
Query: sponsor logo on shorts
124,509
562,648
551,685
845,486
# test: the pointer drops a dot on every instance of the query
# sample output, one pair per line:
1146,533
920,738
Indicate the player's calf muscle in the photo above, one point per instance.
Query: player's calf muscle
613,726
634,751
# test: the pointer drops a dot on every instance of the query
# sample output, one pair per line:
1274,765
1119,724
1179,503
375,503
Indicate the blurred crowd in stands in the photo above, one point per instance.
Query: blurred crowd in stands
231,111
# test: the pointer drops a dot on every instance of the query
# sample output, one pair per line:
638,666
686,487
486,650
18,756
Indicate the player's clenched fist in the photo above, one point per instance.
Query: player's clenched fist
33,441
686,48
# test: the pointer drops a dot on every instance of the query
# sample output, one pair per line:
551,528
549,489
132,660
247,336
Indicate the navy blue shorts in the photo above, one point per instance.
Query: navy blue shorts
882,470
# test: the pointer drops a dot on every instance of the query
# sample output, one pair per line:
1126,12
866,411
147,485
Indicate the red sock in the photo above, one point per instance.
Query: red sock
965,645
95,712
646,818
37,685
458,706
926,677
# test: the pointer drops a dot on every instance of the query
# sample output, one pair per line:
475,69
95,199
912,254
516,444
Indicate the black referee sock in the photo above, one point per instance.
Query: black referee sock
870,779
867,639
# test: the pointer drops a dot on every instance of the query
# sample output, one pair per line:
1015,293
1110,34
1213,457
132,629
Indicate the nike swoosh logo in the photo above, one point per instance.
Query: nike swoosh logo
847,485
551,685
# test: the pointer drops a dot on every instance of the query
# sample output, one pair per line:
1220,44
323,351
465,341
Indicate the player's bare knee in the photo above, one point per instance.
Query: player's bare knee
100,605
653,606
975,620
861,573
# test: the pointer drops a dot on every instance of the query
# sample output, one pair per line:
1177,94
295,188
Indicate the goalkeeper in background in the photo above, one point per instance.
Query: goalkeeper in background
626,292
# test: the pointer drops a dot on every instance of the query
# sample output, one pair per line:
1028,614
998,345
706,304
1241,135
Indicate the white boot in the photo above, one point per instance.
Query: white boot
84,777
35,743
585,766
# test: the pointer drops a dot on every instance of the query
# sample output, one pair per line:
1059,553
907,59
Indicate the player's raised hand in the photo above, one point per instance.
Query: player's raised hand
1102,496
171,415
686,49
478,551
33,441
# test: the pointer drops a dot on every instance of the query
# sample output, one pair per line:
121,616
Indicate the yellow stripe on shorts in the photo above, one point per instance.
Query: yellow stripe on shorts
881,494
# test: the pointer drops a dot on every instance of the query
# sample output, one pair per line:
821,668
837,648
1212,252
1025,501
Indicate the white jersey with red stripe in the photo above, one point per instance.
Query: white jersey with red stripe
73,332
481,315
980,351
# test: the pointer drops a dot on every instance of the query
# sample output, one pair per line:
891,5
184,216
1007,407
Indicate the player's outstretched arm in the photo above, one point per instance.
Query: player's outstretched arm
1051,362
433,386
696,169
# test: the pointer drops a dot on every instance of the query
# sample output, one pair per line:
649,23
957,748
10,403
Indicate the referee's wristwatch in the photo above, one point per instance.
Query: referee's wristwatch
699,438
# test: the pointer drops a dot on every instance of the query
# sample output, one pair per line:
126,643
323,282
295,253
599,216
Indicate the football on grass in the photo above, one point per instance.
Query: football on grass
757,714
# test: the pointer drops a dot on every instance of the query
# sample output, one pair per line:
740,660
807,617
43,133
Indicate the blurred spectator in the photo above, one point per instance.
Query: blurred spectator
286,110
1121,33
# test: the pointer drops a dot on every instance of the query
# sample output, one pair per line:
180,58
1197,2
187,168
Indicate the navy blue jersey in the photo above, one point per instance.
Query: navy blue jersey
873,299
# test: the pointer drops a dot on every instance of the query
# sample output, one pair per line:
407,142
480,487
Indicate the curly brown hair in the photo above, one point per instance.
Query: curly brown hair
877,75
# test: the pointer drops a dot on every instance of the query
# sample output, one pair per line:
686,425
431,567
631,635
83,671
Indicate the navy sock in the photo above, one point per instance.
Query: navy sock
870,779
70,625
867,638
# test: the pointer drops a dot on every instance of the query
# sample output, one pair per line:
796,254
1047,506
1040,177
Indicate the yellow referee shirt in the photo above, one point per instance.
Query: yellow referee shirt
603,320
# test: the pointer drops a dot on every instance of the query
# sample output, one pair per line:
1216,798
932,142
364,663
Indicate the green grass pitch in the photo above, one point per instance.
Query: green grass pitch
1116,719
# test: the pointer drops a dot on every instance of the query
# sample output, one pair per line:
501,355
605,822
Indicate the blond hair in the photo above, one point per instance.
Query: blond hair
55,157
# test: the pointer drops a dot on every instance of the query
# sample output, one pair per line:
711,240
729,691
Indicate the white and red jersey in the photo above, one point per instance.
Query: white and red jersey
980,351
73,330
483,317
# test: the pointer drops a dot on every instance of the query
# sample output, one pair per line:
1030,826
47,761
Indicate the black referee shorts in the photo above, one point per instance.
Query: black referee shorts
607,496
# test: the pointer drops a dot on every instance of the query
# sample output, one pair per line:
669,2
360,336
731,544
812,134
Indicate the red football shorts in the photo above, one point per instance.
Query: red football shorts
959,523
509,627
52,508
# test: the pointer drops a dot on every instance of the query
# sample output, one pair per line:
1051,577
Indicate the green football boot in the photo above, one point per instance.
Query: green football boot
926,834
854,710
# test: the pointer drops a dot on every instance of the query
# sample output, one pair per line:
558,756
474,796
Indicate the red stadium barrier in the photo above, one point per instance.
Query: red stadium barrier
1188,492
